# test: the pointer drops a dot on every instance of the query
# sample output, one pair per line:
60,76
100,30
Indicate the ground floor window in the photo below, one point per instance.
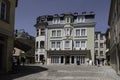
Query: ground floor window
54,59
72,59
62,59
80,59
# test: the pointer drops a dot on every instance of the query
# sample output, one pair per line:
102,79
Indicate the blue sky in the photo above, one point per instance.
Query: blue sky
28,10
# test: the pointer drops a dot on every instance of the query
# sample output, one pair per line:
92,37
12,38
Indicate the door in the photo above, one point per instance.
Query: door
67,59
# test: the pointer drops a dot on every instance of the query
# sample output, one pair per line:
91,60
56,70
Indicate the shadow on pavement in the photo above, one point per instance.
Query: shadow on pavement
21,71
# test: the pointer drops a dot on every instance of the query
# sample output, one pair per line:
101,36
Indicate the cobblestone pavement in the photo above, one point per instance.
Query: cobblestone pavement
62,72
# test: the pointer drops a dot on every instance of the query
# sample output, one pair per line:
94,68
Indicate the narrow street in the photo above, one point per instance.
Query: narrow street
62,72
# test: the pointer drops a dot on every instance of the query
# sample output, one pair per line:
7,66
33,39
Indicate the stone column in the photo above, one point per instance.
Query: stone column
64,59
70,60
59,59
75,60
38,57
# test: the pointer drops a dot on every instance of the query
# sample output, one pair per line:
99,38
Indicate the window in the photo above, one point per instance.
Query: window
37,44
56,20
83,32
37,32
77,32
96,37
82,44
77,43
67,44
52,44
101,45
53,33
81,19
101,37
96,44
58,44
96,52
42,32
67,31
68,20
41,44
3,10
101,53
58,33
54,59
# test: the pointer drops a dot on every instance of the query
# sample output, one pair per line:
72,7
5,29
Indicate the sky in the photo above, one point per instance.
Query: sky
28,10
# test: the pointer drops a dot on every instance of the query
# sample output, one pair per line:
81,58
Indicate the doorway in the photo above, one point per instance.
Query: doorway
67,60
1,56
41,57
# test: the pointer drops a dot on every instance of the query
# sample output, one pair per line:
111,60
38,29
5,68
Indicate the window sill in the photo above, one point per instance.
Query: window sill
56,37
79,36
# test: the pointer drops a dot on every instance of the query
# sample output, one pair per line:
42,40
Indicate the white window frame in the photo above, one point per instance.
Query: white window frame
67,19
58,35
58,45
77,44
81,19
53,45
67,32
102,53
85,43
42,30
67,45
79,32
54,33
37,32
85,33
56,20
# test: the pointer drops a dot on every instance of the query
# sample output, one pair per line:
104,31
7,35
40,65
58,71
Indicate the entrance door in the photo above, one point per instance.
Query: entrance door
1,56
67,59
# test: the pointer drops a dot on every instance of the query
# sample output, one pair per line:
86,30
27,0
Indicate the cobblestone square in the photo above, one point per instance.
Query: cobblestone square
62,72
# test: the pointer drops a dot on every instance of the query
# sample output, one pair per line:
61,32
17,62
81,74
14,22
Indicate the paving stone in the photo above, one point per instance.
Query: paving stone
63,72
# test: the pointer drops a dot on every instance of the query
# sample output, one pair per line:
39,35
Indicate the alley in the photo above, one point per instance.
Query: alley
62,72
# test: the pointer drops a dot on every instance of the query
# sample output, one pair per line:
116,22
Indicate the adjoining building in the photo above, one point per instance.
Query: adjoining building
114,23
67,38
100,48
107,35
7,15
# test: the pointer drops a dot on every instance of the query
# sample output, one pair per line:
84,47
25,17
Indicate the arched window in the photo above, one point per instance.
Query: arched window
41,44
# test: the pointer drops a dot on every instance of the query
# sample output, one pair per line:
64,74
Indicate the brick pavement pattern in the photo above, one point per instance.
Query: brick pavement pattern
62,72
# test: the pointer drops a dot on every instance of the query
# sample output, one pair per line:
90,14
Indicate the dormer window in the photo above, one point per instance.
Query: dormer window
68,20
56,21
81,19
